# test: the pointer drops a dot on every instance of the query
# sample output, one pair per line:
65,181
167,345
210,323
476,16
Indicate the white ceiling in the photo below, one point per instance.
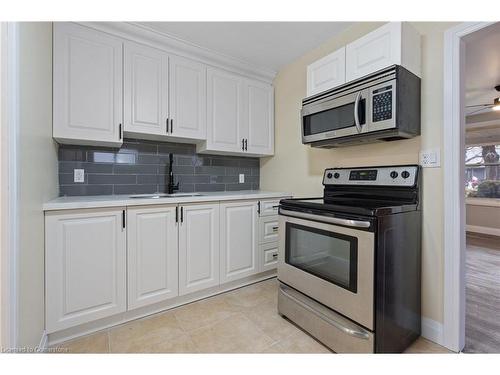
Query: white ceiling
268,45
482,67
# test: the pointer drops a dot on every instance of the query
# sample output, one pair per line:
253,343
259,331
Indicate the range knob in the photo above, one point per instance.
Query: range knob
329,175
336,175
405,174
394,174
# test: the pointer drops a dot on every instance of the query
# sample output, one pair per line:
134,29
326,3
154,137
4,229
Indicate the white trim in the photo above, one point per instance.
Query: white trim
44,342
483,230
432,330
487,202
453,193
9,191
145,35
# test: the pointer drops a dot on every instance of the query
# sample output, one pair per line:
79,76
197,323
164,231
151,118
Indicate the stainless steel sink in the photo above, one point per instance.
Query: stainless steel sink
164,195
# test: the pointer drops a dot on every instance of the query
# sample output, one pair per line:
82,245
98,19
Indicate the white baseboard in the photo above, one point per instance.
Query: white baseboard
43,345
432,330
483,230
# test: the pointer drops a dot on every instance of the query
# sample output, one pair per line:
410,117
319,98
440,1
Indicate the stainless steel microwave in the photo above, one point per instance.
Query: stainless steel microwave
383,106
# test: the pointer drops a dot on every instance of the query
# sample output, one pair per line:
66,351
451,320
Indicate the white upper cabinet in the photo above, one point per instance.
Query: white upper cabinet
393,43
152,249
145,90
85,266
238,242
258,126
224,112
87,86
326,72
188,98
198,247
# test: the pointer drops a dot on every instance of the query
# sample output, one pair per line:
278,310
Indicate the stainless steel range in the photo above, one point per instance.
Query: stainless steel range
349,262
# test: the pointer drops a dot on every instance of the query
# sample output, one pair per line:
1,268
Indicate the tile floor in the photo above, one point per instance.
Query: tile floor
244,320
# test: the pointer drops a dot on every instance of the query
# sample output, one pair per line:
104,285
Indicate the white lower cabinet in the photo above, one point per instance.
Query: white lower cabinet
152,250
238,247
85,266
198,247
269,252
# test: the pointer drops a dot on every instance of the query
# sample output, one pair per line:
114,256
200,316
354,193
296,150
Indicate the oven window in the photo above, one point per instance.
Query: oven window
333,119
331,256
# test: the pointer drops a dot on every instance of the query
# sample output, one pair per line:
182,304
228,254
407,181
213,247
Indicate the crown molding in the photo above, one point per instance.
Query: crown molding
146,35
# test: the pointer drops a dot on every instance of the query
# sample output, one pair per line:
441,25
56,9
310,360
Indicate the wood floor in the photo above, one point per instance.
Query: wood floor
241,321
482,311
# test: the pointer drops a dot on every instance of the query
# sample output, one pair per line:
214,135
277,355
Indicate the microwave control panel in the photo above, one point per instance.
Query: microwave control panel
382,104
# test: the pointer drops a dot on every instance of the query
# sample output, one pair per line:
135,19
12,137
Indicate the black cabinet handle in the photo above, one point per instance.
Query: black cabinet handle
258,207
120,131
176,214
246,144
171,125
123,219
182,214
166,125
243,144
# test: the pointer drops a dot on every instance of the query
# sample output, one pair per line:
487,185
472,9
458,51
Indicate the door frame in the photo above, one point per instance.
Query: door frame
9,180
453,187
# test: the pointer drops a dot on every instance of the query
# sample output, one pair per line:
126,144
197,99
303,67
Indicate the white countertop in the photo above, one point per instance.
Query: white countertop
99,201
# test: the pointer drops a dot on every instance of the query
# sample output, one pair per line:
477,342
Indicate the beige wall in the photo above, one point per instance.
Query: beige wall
37,173
298,168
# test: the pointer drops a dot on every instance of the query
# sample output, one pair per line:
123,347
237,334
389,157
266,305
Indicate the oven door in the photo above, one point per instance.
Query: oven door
330,263
335,117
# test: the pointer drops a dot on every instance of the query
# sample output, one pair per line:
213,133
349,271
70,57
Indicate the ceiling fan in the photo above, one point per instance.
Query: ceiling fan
495,106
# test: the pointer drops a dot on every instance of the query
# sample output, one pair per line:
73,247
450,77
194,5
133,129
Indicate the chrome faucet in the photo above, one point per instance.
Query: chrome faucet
170,186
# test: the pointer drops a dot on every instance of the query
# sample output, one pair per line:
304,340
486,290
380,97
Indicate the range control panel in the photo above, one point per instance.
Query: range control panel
401,175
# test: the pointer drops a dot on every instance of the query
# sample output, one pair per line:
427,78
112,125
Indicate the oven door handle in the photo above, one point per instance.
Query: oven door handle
327,219
356,112
349,330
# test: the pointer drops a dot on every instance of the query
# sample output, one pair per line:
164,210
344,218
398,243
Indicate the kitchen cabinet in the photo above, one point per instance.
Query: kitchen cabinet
85,260
238,241
224,112
268,229
198,247
393,43
145,90
152,253
240,115
269,252
87,88
326,73
188,98
259,118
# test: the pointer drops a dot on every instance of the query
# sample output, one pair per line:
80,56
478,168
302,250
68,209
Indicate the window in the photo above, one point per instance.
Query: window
482,171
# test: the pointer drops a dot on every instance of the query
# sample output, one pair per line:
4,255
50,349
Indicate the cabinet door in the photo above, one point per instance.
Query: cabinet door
87,86
152,247
374,51
269,254
85,264
259,118
238,240
326,73
198,247
188,98
224,111
145,91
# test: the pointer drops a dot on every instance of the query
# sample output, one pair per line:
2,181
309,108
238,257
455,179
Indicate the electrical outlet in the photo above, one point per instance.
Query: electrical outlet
242,178
79,175
430,158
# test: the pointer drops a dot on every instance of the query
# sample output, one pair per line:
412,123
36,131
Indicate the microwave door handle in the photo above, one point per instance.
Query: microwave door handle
356,112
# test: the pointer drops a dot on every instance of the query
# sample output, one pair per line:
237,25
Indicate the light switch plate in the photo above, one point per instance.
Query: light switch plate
430,158
79,175
242,178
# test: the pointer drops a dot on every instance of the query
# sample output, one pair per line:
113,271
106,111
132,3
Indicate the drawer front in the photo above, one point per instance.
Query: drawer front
268,229
269,253
269,208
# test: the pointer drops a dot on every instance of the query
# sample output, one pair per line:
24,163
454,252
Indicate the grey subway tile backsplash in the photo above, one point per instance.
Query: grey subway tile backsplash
141,167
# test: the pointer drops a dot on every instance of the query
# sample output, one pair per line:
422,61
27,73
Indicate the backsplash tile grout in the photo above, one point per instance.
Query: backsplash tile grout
141,167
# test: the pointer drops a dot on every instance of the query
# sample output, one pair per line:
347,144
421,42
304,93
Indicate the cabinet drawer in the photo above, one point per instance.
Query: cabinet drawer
269,208
268,229
269,253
